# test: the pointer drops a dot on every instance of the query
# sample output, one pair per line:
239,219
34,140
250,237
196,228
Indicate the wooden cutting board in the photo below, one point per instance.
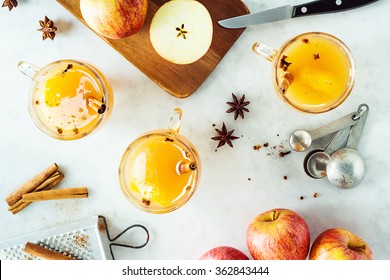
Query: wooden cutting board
178,80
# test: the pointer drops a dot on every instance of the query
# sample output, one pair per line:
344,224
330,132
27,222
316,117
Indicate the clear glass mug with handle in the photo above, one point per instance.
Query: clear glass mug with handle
68,99
160,170
313,72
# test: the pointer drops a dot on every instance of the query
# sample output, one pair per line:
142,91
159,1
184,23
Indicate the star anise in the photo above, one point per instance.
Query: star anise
47,28
224,137
10,4
238,106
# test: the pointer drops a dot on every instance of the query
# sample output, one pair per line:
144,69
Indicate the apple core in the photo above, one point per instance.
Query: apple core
181,31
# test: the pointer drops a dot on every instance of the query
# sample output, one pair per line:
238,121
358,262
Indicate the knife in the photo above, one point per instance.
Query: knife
289,11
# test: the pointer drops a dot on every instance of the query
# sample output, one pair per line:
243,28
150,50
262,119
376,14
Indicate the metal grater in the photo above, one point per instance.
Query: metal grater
86,239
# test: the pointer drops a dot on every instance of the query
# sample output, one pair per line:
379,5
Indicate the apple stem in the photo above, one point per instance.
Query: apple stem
275,215
357,248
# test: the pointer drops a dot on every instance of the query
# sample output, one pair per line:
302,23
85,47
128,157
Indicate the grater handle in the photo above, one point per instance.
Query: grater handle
123,232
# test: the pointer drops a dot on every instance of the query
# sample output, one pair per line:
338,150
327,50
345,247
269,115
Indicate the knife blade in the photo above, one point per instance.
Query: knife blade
290,11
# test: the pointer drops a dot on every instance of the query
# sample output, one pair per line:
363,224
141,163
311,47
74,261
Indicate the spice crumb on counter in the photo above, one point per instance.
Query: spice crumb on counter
315,195
277,150
283,154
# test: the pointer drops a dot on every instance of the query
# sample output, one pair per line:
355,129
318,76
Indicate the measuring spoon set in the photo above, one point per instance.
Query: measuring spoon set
339,160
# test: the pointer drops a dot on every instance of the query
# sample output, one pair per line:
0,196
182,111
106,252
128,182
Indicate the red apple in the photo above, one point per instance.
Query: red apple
114,19
224,253
339,244
278,234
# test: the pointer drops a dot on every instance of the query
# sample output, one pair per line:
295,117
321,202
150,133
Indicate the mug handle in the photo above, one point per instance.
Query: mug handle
175,121
265,51
28,69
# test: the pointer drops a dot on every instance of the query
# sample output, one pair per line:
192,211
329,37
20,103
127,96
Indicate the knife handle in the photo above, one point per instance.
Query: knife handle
327,6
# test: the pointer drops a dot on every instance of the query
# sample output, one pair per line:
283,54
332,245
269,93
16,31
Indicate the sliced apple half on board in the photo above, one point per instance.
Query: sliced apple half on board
181,31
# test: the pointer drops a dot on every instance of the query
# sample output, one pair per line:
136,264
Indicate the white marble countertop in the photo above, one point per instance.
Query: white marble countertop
226,200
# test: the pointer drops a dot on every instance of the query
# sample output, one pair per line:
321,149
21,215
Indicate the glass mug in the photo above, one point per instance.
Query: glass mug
160,170
68,99
313,72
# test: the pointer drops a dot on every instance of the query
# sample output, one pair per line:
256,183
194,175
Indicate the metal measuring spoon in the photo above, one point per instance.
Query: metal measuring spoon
315,162
300,140
346,167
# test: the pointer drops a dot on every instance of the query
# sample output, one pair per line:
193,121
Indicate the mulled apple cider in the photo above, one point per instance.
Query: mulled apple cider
313,72
69,98
160,170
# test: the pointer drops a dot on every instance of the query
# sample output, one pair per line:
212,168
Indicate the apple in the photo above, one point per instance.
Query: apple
114,19
339,244
224,253
278,234
181,31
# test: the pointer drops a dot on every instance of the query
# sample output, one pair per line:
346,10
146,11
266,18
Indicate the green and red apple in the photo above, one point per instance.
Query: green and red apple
278,234
339,244
181,31
224,253
114,19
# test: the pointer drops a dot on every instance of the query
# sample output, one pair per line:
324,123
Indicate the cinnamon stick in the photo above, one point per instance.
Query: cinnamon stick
81,192
96,105
20,205
54,179
31,184
286,80
186,167
43,253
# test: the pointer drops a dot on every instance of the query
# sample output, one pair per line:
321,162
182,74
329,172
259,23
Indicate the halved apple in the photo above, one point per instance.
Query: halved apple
181,31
